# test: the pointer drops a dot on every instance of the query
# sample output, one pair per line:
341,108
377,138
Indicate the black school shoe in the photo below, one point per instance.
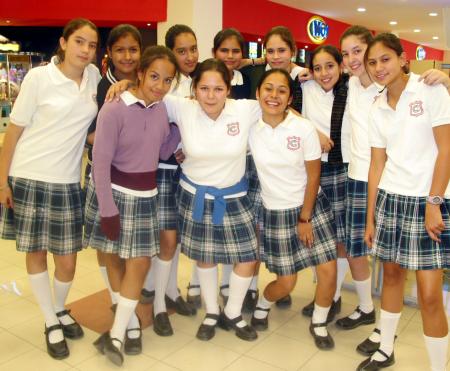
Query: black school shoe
372,365
260,324
322,342
133,346
246,333
180,306
72,331
284,303
250,300
57,350
161,324
347,323
335,309
369,347
147,297
194,300
207,332
105,346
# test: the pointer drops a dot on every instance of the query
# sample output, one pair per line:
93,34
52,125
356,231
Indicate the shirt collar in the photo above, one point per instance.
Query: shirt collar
237,78
110,76
286,123
294,72
58,78
130,99
411,87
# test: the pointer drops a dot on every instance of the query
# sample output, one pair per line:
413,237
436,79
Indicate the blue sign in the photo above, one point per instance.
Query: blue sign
317,29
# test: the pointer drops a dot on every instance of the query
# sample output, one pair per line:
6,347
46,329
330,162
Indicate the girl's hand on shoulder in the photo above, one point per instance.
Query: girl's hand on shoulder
435,77
369,234
305,233
6,197
179,156
325,143
305,75
116,89
433,221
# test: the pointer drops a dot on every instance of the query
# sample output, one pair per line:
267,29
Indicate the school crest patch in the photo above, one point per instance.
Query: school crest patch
293,143
233,129
416,108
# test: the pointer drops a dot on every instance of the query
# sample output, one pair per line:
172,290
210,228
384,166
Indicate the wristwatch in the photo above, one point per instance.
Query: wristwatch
435,200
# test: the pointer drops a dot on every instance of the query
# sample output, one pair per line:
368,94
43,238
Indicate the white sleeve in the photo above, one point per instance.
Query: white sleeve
439,105
174,107
311,146
27,101
376,137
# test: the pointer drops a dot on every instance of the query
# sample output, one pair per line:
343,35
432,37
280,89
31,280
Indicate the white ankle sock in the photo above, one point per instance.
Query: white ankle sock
364,291
195,280
149,283
172,285
104,273
208,281
342,269
40,285
388,327
374,336
320,315
162,272
124,312
254,283
60,291
263,303
437,352
225,279
132,324
238,288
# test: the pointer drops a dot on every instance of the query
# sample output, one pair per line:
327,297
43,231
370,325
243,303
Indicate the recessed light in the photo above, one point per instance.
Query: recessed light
149,24
8,21
259,39
433,14
416,30
306,46
393,23
435,38
361,10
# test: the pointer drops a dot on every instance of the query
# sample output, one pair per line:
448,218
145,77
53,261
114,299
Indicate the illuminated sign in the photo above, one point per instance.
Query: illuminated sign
9,47
317,29
420,53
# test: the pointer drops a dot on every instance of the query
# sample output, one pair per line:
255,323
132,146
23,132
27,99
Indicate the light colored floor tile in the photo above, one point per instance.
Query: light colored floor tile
347,341
22,310
12,346
283,352
330,361
199,355
228,339
82,349
89,283
12,273
161,366
159,347
99,362
250,364
409,358
31,330
35,360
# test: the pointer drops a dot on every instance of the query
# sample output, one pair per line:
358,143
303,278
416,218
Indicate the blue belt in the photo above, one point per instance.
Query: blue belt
219,201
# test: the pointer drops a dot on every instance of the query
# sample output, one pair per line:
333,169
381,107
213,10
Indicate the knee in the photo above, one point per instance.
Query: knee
430,302
66,267
392,277
287,284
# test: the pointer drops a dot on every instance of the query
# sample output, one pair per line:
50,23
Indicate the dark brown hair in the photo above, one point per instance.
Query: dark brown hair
283,72
123,30
174,31
388,40
225,34
285,35
361,32
152,53
212,64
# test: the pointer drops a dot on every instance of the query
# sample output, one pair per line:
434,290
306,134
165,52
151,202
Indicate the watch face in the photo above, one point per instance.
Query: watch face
435,200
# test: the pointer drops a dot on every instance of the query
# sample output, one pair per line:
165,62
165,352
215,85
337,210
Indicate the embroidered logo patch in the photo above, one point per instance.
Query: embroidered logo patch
233,129
293,143
416,108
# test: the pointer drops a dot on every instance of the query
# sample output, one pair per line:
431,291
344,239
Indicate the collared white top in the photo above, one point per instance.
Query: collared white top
55,113
407,135
360,99
317,107
215,150
182,87
280,154
129,99
294,72
237,79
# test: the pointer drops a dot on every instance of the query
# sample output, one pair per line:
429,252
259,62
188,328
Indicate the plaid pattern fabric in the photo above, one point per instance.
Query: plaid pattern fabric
254,187
284,254
400,235
139,229
167,182
333,180
355,218
46,216
231,242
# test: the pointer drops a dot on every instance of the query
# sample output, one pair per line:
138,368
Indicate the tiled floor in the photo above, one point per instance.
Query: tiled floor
286,346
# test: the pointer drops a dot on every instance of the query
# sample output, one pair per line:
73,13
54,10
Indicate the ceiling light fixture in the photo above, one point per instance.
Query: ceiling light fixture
417,30
149,24
361,10
435,38
433,14
393,23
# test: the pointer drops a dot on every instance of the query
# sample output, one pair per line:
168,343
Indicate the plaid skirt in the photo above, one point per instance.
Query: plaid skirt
167,181
234,241
400,235
46,216
284,253
139,229
355,218
333,180
254,188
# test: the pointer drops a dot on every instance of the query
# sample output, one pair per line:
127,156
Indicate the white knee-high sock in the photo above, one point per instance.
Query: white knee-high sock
364,291
124,312
194,280
40,285
172,286
263,303
60,292
388,328
225,279
208,283
162,272
320,315
238,288
104,273
342,269
149,283
437,352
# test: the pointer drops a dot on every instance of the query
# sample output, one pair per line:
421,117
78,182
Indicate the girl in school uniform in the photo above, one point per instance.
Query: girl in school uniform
124,46
408,222
324,103
161,284
298,229
40,167
121,210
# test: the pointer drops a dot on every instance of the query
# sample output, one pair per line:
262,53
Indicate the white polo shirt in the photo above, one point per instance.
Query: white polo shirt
360,100
280,154
317,107
407,135
55,113
215,150
182,87
294,72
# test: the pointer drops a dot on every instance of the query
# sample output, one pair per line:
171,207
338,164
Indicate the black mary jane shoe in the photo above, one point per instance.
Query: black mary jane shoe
322,342
207,332
194,300
348,323
260,324
133,346
372,365
72,331
369,347
105,346
334,309
224,297
180,306
147,297
284,303
247,332
57,350
250,301
161,324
